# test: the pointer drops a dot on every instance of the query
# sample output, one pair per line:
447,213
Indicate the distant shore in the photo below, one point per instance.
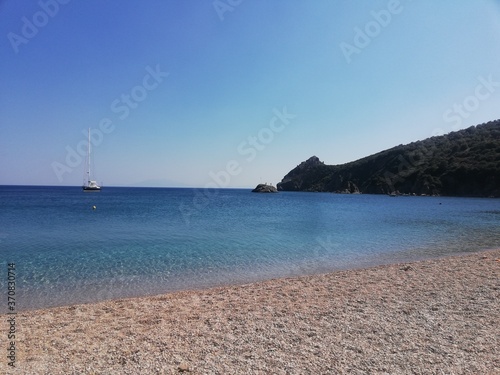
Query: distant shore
419,317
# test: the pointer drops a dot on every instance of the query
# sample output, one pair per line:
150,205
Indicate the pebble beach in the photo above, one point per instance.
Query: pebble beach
437,316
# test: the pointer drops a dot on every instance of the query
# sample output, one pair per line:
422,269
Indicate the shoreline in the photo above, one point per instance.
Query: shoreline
235,279
420,316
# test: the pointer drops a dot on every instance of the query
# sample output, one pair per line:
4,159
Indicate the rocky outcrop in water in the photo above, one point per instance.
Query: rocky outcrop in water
264,188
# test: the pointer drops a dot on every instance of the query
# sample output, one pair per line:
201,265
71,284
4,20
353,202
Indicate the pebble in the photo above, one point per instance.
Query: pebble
183,367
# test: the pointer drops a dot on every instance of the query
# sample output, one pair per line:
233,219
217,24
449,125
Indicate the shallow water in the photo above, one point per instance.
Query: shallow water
141,241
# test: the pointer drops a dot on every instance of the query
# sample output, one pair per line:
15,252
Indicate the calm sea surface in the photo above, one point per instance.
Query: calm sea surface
141,241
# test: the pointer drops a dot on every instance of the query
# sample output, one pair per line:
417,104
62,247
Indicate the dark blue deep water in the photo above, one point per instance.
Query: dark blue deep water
142,241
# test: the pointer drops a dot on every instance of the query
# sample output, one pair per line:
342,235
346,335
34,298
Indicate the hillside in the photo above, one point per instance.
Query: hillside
462,163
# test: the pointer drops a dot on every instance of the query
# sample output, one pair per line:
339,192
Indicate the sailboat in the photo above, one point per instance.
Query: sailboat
88,184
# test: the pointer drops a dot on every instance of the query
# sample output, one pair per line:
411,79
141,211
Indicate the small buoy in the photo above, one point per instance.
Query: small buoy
94,207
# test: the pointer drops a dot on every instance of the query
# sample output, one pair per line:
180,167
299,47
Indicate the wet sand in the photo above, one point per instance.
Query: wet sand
431,317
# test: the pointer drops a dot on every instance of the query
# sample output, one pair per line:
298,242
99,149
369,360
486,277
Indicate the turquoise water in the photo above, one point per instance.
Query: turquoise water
141,241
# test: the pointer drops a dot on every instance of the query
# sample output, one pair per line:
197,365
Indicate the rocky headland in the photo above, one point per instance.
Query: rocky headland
462,163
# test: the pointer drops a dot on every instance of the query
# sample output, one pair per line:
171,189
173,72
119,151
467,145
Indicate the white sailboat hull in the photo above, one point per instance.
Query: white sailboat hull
91,186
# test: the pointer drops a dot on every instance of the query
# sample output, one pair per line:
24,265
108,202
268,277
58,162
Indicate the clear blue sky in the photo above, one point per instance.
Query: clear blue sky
182,85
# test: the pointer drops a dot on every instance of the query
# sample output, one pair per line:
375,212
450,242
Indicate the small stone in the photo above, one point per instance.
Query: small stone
183,367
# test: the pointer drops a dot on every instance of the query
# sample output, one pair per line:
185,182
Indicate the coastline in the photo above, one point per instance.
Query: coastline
416,317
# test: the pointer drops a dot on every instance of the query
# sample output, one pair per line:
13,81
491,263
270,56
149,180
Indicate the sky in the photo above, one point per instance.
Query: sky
232,93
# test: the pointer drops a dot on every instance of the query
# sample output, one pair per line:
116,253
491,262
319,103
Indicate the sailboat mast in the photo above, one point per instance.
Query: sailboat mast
88,169
90,185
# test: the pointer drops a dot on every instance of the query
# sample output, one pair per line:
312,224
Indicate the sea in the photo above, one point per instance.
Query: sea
69,247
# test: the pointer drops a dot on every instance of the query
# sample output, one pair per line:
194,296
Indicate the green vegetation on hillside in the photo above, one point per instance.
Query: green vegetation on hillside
462,163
